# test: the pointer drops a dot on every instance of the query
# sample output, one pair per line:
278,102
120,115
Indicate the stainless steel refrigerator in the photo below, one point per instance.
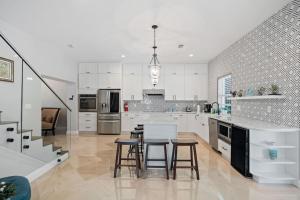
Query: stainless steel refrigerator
109,112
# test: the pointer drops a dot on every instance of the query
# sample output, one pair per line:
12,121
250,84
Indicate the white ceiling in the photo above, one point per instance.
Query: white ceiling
102,30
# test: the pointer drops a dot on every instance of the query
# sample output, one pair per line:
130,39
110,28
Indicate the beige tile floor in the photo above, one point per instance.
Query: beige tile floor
87,175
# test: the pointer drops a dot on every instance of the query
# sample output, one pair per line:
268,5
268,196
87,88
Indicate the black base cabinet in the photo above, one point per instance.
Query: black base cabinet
240,151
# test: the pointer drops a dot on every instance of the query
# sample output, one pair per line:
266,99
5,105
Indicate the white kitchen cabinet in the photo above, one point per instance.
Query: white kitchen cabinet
109,81
196,82
147,84
129,121
88,68
88,83
198,124
204,128
174,82
181,121
109,68
88,121
225,149
132,82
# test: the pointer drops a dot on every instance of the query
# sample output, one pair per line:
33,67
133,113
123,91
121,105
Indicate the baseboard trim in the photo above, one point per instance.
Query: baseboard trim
44,169
73,132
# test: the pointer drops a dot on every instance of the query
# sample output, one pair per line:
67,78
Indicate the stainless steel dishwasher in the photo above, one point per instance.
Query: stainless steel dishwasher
213,133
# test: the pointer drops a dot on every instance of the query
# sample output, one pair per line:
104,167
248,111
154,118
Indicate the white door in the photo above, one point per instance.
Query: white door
87,81
109,81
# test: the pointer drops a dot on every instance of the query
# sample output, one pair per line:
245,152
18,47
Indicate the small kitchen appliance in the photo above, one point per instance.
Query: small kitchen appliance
207,108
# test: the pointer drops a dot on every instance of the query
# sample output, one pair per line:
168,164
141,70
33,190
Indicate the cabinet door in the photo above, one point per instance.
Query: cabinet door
109,81
88,68
174,87
147,84
196,82
192,84
88,81
132,89
181,122
109,68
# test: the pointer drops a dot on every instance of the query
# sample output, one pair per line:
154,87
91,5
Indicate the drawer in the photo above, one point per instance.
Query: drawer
225,149
87,127
87,114
92,120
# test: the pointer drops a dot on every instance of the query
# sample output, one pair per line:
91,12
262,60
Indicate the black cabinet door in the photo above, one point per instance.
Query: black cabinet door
240,150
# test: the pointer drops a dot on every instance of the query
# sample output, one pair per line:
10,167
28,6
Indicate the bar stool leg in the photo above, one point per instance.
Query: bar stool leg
146,156
166,161
175,162
116,161
120,156
137,165
196,162
191,154
172,159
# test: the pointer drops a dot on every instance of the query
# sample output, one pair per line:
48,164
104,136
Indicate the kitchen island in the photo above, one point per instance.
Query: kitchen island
159,129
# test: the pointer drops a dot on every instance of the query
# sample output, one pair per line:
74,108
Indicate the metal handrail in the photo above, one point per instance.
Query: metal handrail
32,69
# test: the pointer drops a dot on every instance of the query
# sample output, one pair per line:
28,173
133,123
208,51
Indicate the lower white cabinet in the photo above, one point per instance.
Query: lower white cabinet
225,149
198,124
181,121
88,121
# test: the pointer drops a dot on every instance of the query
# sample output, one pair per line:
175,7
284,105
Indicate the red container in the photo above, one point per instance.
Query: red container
126,106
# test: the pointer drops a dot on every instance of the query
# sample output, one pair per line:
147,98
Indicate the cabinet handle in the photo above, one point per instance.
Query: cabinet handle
87,72
108,72
132,97
174,73
224,148
87,87
132,73
196,73
87,120
87,127
175,97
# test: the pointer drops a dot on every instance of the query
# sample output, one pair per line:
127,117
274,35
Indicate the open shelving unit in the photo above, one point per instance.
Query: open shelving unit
285,168
258,97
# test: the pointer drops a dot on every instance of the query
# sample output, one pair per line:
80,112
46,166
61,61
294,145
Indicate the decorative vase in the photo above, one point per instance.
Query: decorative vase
273,153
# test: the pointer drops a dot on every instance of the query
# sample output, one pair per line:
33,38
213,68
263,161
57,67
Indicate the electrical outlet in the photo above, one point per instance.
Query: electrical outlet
269,109
238,107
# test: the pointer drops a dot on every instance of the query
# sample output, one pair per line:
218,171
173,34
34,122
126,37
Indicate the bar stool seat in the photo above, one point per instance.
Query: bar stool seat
118,162
139,128
193,155
139,134
157,142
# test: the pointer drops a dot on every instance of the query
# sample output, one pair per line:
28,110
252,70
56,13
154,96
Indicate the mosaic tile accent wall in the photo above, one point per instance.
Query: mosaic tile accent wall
158,104
270,54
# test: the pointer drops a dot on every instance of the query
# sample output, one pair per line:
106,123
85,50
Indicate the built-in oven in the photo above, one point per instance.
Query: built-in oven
224,132
87,103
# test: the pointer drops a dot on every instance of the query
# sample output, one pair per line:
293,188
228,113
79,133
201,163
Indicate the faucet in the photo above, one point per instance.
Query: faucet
218,108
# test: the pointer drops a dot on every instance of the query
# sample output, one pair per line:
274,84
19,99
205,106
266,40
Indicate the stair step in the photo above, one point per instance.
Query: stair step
24,131
62,153
55,148
36,138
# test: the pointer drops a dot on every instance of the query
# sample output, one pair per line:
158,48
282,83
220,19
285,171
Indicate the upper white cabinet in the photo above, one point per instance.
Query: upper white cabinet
88,68
110,75
88,83
196,81
147,84
174,82
109,68
132,82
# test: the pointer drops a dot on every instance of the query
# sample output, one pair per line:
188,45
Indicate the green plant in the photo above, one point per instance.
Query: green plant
274,89
261,91
7,190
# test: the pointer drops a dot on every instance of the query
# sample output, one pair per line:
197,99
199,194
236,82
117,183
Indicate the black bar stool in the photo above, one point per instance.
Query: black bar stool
132,142
137,134
157,142
193,159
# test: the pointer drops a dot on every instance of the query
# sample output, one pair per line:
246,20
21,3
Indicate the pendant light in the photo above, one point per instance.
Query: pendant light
154,63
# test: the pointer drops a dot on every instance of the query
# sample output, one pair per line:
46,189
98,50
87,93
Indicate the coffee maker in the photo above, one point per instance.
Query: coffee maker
207,107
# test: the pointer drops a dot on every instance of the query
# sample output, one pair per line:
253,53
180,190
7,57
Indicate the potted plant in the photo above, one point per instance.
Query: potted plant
274,89
261,91
240,93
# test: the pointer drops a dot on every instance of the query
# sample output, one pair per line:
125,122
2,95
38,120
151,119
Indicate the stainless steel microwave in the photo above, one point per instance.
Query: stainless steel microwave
87,103
224,132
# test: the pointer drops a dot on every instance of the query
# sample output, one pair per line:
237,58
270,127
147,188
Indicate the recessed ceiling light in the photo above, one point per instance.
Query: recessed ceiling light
191,55
123,56
70,46
29,78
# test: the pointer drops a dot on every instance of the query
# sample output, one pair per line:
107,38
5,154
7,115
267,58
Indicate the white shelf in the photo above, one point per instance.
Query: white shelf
276,146
258,97
278,161
275,176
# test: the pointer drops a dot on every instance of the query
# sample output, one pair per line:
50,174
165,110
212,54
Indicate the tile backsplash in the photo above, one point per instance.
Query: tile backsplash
159,104
270,54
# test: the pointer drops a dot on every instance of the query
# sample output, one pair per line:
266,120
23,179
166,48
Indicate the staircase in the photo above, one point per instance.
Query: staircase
22,149
24,142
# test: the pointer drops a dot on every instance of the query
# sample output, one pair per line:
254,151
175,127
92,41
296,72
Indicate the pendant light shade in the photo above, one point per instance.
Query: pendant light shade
154,65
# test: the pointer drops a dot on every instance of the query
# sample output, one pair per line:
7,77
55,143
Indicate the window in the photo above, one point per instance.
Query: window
224,88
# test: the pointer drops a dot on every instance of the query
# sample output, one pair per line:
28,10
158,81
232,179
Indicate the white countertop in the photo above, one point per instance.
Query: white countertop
254,124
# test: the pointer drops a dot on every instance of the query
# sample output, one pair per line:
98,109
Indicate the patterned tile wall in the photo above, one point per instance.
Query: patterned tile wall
158,104
270,54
